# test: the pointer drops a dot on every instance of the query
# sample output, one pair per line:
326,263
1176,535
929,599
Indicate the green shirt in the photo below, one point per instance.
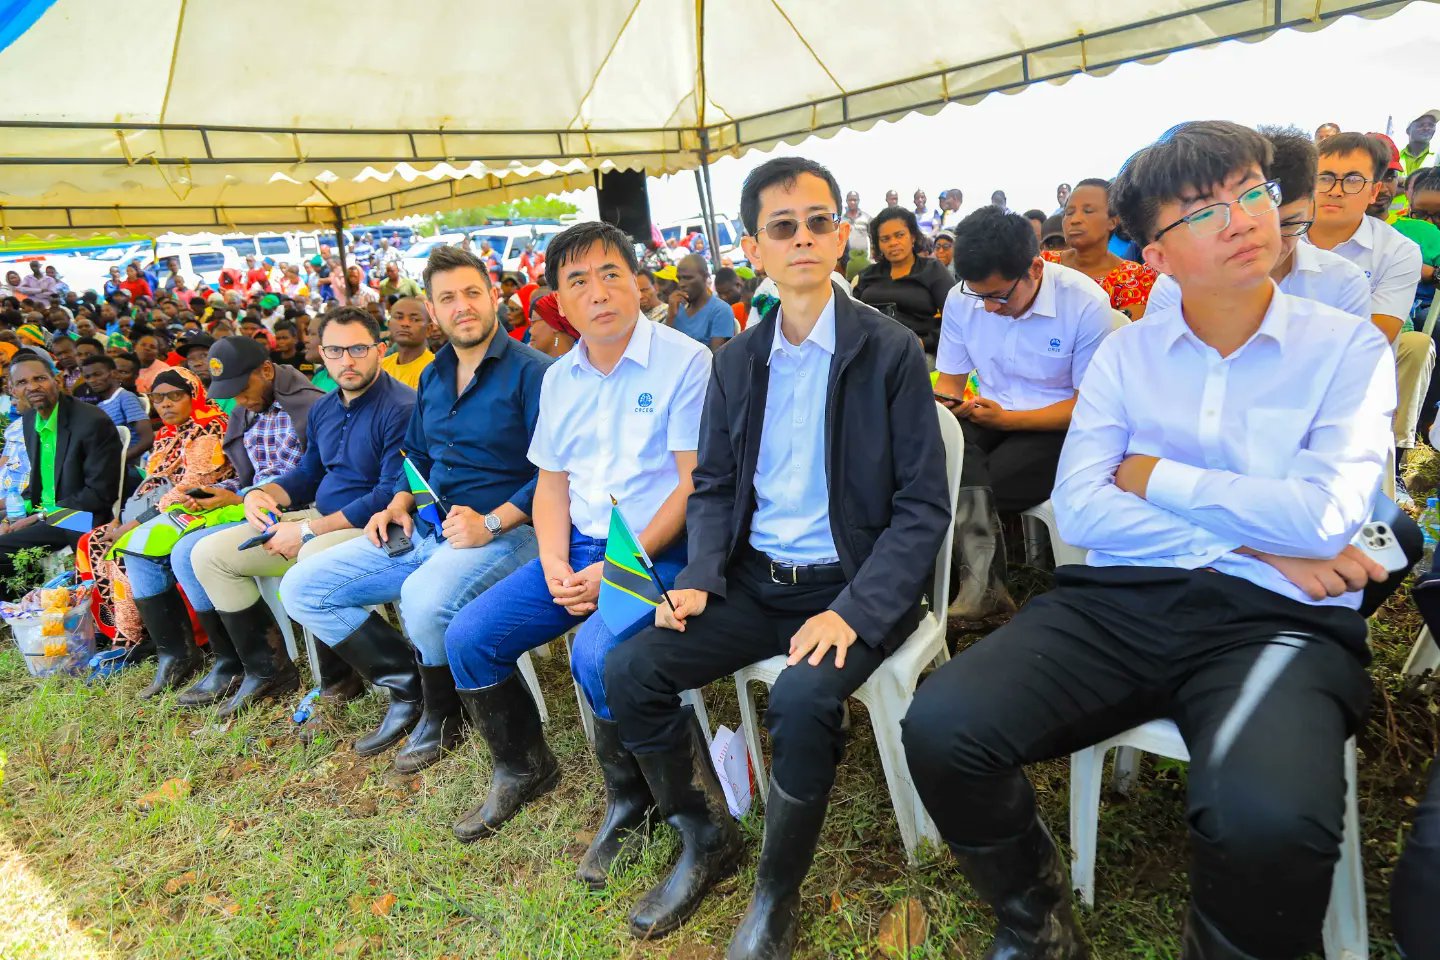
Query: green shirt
324,381
227,407
405,287
46,432
1424,233
1410,162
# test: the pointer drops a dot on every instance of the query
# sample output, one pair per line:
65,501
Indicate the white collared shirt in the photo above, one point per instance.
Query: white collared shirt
792,493
1390,261
616,434
1279,447
1315,274
1035,359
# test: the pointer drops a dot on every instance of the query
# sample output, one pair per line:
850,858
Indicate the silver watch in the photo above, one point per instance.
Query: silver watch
493,524
306,534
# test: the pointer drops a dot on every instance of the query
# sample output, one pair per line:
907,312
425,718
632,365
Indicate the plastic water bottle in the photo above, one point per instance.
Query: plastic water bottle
1430,528
14,505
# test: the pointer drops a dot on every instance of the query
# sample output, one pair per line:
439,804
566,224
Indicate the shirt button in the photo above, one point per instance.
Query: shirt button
452,413
1211,413
450,444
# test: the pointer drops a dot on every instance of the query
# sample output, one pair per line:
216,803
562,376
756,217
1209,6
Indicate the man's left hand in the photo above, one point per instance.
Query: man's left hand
286,542
579,592
1133,474
984,412
465,528
818,635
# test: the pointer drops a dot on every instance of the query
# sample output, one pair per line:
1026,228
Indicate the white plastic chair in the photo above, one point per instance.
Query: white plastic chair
124,446
1346,936
1425,655
888,692
145,402
270,591
1042,517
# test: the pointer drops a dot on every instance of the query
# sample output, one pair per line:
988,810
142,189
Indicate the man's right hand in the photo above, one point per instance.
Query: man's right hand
1339,575
261,509
677,300
688,603
380,523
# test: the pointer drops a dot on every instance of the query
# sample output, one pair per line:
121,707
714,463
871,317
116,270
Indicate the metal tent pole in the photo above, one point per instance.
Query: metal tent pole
707,199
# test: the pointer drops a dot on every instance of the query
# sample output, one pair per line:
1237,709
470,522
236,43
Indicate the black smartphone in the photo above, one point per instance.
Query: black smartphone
946,397
199,492
396,543
256,540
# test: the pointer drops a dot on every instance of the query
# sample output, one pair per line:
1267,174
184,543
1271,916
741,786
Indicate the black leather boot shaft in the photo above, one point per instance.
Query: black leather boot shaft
978,564
442,722
628,807
269,671
690,799
522,766
383,656
769,929
168,623
225,670
338,680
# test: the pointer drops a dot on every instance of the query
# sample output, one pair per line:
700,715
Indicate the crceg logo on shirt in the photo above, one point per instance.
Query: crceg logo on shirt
646,403
1054,344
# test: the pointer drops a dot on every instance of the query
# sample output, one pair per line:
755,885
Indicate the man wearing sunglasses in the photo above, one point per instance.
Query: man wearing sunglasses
819,503
1028,329
1220,459
1302,269
1350,170
351,464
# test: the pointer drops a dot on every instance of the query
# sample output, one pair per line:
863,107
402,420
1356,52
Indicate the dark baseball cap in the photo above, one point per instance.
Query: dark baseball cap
232,360
194,341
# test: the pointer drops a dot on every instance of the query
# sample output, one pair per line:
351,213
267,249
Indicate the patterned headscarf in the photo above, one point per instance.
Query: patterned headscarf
547,308
202,411
119,341
30,335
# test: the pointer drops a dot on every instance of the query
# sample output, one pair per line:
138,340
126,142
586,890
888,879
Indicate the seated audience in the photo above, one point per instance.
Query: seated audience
1089,224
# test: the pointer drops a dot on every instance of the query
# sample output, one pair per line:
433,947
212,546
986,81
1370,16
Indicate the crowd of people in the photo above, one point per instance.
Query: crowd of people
1207,364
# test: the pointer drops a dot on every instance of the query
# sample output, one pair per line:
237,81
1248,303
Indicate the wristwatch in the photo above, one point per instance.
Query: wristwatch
493,524
306,534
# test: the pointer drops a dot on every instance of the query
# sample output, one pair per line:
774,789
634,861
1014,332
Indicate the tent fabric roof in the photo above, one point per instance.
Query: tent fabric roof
194,128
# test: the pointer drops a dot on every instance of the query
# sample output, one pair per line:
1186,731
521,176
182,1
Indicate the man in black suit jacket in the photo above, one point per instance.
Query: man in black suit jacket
86,469
820,501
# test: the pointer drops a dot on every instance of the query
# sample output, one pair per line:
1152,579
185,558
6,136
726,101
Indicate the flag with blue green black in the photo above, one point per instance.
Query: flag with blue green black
630,590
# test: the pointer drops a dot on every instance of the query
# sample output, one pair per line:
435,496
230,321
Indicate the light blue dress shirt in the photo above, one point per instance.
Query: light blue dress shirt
792,494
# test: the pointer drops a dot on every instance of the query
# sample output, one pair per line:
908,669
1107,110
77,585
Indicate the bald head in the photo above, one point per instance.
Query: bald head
692,274
696,263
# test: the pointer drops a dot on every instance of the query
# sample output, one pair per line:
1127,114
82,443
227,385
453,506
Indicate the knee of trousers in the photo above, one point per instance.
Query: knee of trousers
1255,831
805,722
468,644
947,738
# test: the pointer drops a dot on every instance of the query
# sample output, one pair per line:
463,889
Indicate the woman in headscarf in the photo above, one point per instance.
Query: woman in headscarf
116,344
187,454
549,332
31,335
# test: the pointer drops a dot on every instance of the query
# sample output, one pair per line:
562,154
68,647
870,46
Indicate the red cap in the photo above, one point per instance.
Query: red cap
1394,150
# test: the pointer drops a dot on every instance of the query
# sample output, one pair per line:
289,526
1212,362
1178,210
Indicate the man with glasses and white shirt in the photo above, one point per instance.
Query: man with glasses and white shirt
1348,179
1220,459
1028,328
1303,269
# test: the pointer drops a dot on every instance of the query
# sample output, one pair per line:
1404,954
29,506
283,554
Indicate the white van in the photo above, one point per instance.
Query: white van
509,242
201,262
728,232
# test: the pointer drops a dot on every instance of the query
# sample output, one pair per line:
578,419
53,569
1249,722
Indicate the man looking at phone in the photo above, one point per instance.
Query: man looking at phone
350,466
1028,328
467,437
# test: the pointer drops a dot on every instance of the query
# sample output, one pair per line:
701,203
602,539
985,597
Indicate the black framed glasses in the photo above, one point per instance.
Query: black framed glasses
785,228
992,297
1295,228
1350,183
1431,215
356,350
1214,218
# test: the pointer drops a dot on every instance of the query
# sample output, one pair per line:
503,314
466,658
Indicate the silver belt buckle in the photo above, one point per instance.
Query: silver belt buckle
775,579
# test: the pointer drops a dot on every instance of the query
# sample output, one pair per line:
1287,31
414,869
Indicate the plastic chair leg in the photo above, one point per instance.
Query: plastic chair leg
587,716
910,814
696,699
312,656
1127,765
1346,934
527,670
270,591
1425,655
750,727
1086,768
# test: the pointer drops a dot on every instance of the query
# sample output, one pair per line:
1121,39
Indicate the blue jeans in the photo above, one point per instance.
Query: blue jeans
152,576
517,614
329,592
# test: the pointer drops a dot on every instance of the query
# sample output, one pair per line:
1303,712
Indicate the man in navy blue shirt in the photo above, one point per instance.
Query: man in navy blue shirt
350,465
468,437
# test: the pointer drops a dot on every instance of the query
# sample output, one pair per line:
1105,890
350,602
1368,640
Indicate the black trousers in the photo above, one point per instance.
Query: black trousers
1018,465
35,535
645,675
1265,691
1415,886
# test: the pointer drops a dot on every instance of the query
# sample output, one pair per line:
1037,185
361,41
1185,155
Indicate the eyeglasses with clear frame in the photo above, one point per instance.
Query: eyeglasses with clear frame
1215,217
785,228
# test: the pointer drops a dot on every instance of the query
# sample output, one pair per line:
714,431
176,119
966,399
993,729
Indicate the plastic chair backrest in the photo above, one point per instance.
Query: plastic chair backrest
954,440
120,490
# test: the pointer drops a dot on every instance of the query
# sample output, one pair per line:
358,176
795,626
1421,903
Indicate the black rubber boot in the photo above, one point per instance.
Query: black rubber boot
792,828
383,657
339,684
690,799
1028,887
442,723
628,808
1204,942
225,671
168,623
269,671
979,557
522,766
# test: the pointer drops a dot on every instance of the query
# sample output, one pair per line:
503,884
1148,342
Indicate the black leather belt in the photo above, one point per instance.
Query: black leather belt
801,574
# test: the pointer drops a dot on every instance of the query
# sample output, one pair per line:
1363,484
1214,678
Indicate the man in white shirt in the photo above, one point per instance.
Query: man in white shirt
619,417
1303,269
1219,462
1350,168
819,501
1028,328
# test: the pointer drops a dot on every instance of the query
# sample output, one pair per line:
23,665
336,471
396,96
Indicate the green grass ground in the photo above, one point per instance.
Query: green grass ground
279,850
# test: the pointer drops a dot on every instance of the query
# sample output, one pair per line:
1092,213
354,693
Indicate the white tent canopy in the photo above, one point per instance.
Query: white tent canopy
208,116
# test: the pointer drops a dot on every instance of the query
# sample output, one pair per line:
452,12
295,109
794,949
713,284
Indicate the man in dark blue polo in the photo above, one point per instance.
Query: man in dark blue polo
468,436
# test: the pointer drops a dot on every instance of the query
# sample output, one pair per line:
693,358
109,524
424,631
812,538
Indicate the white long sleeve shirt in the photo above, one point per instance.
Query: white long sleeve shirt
1279,447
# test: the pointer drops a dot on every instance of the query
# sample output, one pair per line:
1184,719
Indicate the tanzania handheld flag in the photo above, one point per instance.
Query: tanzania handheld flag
76,521
427,505
629,589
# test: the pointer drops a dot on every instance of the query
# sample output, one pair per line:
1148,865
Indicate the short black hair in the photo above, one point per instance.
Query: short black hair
991,241
884,217
100,359
129,357
445,258
30,356
569,244
647,273
1036,215
726,275
89,342
287,326
1188,157
347,315
1426,178
1292,163
1352,142
782,170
